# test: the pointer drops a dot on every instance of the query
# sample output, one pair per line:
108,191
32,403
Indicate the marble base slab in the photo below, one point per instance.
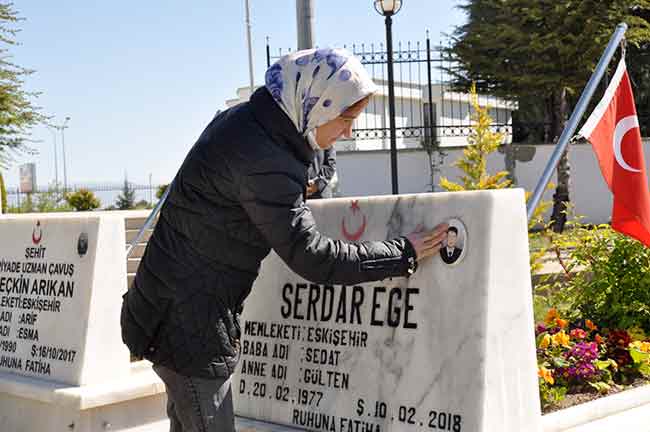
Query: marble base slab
33,405
451,348
628,410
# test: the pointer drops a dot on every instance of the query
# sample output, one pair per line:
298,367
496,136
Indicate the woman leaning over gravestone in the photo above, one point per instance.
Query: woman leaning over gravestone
240,193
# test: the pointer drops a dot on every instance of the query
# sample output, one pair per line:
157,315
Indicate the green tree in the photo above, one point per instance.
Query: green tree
638,65
42,202
161,190
52,200
482,141
639,68
545,50
83,200
143,204
126,200
3,195
27,205
18,114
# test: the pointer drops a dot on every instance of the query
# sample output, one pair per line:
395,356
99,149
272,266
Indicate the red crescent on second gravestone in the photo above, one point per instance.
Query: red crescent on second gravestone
37,240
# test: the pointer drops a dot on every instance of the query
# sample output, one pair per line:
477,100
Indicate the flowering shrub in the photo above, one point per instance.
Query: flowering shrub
83,200
574,356
598,340
604,277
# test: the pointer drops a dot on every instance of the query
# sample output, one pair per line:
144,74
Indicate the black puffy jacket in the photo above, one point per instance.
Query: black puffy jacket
239,193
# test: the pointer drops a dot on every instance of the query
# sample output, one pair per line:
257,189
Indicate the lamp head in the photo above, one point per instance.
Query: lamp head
388,7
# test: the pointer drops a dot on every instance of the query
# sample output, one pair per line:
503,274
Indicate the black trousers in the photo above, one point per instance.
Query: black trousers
197,404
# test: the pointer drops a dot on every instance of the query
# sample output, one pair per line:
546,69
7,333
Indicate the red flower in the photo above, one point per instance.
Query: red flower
618,339
617,347
578,333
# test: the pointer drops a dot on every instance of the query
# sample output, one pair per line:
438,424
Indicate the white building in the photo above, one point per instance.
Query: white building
451,111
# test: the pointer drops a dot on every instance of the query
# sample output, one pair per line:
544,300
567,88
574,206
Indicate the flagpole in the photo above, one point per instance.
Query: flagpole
577,114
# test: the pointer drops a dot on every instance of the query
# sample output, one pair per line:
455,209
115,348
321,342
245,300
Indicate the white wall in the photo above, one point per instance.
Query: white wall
368,173
457,121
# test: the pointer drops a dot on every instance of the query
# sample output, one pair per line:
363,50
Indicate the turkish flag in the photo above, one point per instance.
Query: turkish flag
613,131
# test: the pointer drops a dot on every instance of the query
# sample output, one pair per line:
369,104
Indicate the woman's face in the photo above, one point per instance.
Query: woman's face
328,133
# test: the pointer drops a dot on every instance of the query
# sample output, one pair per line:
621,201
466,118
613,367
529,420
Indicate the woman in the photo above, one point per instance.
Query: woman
239,193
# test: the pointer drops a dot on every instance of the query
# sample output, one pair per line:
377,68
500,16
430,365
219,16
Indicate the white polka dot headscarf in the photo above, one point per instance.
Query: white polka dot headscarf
315,86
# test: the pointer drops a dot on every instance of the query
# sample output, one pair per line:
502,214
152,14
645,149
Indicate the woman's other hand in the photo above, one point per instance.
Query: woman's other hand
311,188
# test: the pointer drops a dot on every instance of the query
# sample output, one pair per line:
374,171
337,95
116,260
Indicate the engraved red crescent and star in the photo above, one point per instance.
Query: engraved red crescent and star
37,233
355,234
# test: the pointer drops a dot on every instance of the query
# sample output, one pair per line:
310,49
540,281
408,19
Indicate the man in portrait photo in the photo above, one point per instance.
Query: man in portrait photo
450,253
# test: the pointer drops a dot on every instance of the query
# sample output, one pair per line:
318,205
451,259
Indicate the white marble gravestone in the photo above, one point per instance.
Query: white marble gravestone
58,308
450,349
63,366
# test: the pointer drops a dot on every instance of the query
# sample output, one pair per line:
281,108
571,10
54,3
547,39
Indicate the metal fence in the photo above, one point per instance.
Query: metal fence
428,110
106,192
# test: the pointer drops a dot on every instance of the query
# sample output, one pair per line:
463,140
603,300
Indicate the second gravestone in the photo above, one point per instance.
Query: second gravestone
449,349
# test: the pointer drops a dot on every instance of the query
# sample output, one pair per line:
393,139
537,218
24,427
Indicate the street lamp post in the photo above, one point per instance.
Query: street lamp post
56,158
388,8
65,169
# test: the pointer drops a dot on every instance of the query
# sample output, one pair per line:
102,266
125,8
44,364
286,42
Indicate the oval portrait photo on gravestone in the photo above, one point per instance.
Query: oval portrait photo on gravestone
82,244
455,246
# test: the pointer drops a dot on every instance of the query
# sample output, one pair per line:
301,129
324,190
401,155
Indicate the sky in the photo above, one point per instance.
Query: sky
141,80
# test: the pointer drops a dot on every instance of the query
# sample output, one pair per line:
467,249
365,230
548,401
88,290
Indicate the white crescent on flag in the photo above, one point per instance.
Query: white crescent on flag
624,126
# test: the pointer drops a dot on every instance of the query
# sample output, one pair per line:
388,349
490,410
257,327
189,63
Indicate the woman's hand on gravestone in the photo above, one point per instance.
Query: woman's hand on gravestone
428,242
